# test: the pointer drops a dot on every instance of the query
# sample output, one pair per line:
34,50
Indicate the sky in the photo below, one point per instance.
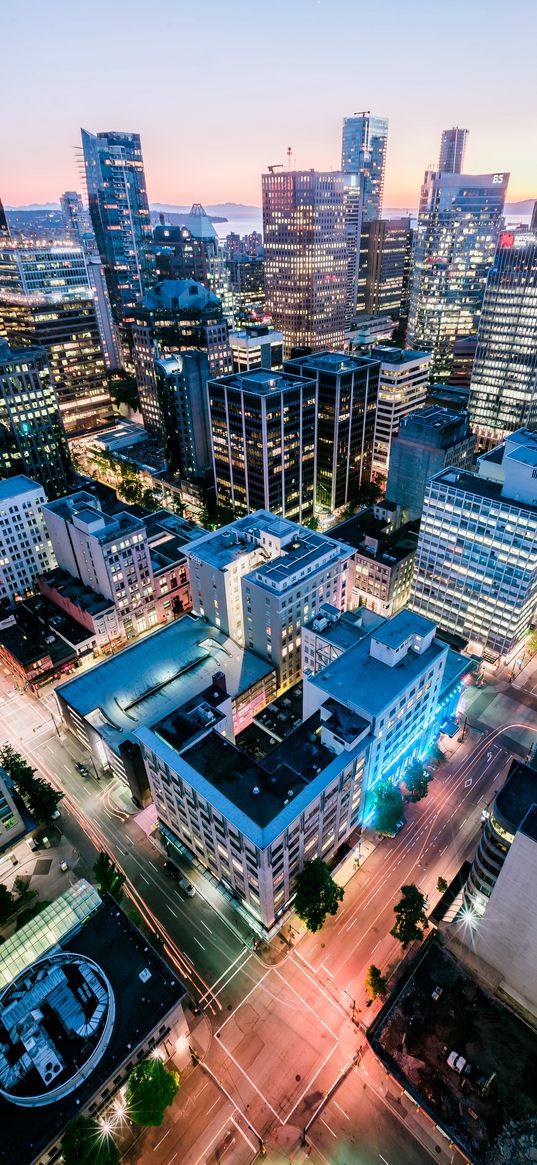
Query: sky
218,90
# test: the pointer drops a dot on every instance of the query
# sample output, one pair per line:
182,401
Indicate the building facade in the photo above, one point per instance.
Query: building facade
304,251
181,391
403,381
426,443
383,267
25,549
476,564
263,443
119,210
346,389
363,163
459,221
32,436
257,345
503,389
384,552
452,148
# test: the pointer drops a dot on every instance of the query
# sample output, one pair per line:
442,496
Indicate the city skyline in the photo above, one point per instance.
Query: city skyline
256,123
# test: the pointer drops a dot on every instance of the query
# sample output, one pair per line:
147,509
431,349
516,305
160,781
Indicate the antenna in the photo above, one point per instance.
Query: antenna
289,156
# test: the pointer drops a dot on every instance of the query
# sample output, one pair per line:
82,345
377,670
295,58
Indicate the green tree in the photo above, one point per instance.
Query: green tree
39,797
108,877
151,1088
7,904
410,916
417,781
388,808
312,524
531,640
317,894
123,388
441,885
375,983
85,1143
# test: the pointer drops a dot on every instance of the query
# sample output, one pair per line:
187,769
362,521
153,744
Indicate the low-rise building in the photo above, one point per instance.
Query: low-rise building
38,643
331,633
384,555
476,563
426,443
12,823
25,548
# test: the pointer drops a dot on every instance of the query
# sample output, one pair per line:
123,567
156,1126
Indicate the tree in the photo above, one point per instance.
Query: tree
417,781
388,812
441,885
312,524
108,877
375,983
7,904
531,640
123,388
317,894
410,916
85,1143
39,797
150,1090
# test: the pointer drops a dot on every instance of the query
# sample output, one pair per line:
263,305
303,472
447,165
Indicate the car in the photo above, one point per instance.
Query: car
186,886
64,867
459,1064
56,815
179,877
82,769
438,991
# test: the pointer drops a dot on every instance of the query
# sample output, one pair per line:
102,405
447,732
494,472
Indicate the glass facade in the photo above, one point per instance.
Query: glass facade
452,147
503,391
32,436
363,162
460,218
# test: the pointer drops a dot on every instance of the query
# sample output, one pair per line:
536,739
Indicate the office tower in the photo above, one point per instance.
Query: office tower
304,248
263,441
261,577
452,147
32,436
346,404
254,346
107,328
476,566
403,382
384,259
460,218
176,315
76,217
247,279
503,390
200,226
463,363
119,210
363,162
503,819
533,221
181,391
178,254
426,443
25,550
4,228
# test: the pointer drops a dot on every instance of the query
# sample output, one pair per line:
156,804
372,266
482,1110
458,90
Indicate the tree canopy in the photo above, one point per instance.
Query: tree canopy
151,1088
7,904
375,983
85,1143
108,877
417,781
317,894
388,807
40,798
410,916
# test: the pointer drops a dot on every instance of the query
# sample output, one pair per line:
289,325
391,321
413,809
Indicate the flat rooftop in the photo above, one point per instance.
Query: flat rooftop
142,1005
262,382
416,1034
14,487
473,483
517,795
389,355
332,362
343,628
224,546
306,552
76,592
391,548
396,631
162,671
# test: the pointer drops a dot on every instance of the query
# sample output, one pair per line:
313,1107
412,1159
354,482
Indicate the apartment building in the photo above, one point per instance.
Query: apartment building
404,377
25,548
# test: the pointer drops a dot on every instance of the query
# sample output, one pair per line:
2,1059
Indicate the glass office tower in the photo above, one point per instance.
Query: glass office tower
459,221
119,210
452,147
363,162
32,437
503,390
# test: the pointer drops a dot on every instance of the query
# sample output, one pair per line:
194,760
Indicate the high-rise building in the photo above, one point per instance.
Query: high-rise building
119,210
403,381
426,443
25,550
32,436
346,390
363,162
452,147
476,565
77,220
178,254
4,228
459,221
181,391
256,346
305,265
503,390
384,258
263,441
516,797
176,315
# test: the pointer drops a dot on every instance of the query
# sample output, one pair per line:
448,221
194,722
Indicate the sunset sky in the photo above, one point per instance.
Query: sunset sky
219,90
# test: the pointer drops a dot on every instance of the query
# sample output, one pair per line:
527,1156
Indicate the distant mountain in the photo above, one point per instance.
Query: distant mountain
229,210
36,206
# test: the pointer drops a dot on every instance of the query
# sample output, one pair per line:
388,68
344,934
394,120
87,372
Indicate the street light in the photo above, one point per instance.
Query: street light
352,1003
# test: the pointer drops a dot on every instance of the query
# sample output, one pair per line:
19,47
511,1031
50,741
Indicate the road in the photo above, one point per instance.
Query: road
280,1036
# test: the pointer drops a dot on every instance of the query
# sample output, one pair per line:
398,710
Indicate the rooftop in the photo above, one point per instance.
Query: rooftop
332,362
18,486
343,628
529,824
383,547
402,627
180,295
474,483
262,382
517,795
389,355
145,681
444,422
75,591
305,553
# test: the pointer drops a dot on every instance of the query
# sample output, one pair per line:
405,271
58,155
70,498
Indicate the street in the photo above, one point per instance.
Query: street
279,1033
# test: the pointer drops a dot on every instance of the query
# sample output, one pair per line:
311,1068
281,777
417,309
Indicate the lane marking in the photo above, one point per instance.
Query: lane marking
196,940
254,1148
166,1134
251,1082
323,1122
345,1114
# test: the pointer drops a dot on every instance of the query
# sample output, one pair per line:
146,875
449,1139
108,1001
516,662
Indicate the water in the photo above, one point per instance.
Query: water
239,226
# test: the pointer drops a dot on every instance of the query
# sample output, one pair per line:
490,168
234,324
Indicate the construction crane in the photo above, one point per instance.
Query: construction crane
275,166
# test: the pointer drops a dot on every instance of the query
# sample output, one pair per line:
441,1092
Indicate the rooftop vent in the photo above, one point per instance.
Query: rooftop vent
256,790
145,975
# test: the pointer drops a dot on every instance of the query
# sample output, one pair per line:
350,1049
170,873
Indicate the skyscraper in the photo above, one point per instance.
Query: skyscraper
452,147
32,437
384,258
181,392
4,229
363,162
304,248
77,220
263,438
403,380
460,218
119,210
503,390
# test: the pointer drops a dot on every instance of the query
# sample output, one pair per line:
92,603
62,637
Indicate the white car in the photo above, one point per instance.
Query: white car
458,1063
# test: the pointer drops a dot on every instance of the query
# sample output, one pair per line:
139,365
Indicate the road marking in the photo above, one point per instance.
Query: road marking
171,912
213,1105
242,956
325,968
200,920
250,1081
166,1134
306,1004
170,1159
255,1148
310,1084
196,940
254,988
345,1114
323,1122
384,1159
